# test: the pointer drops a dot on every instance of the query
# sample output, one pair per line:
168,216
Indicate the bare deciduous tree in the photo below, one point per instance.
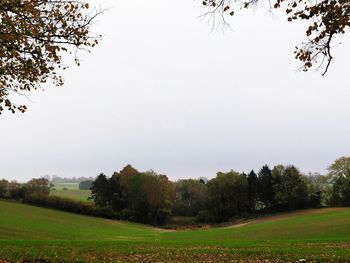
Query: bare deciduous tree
327,18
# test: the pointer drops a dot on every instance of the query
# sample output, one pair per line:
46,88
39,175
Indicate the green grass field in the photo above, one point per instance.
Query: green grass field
28,232
72,191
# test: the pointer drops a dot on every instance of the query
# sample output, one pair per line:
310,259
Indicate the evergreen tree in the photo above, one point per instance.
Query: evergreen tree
265,189
253,184
117,197
100,191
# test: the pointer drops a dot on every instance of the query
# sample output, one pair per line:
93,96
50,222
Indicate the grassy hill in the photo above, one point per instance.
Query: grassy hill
31,232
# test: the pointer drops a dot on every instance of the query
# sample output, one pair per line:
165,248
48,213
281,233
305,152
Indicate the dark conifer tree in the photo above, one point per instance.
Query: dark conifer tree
266,192
253,183
100,191
117,197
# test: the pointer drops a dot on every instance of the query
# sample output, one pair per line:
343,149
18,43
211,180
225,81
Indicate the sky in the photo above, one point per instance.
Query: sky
165,91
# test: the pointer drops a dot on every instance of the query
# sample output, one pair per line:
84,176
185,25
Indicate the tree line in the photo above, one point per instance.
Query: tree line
152,198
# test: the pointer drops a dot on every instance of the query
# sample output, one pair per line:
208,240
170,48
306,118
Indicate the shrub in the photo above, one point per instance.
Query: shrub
3,188
69,205
162,216
17,193
205,216
128,214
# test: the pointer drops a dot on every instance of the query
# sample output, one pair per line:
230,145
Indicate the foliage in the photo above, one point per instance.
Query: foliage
3,188
327,18
100,191
284,188
205,216
228,195
253,187
117,196
70,205
265,187
158,196
16,191
144,197
290,191
190,197
319,188
40,186
340,174
34,36
340,168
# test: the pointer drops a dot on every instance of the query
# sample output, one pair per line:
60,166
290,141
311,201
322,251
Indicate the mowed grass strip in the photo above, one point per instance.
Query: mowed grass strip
30,232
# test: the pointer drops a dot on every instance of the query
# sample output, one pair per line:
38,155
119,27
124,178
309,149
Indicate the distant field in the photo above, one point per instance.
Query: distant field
81,195
72,191
321,235
69,186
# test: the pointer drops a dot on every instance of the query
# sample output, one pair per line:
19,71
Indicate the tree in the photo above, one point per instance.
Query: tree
253,185
131,181
34,35
340,168
290,190
16,191
340,174
144,197
265,188
40,186
190,196
159,195
117,195
327,18
227,195
3,187
127,172
100,191
319,189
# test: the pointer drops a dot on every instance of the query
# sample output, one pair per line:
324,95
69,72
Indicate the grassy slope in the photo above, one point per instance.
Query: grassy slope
24,222
32,232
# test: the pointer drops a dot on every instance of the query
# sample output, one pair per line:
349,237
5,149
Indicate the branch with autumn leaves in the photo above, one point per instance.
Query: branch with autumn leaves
34,35
327,18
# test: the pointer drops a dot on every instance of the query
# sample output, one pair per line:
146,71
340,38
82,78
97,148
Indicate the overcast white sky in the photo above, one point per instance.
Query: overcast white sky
163,92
